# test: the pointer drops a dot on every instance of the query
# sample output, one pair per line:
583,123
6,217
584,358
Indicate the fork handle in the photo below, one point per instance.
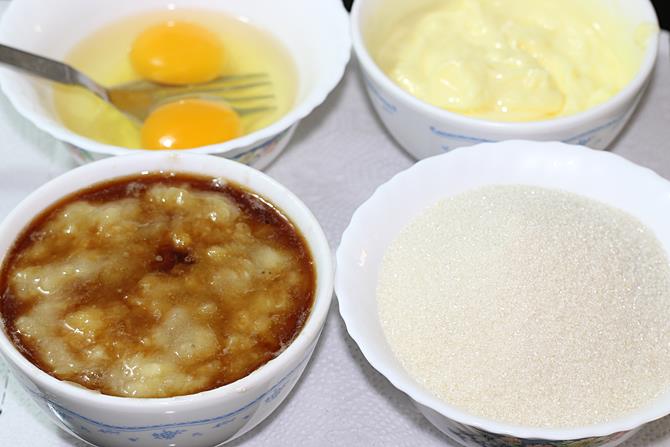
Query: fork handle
49,69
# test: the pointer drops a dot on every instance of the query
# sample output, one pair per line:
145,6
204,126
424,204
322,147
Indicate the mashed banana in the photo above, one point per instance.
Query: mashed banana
512,60
156,287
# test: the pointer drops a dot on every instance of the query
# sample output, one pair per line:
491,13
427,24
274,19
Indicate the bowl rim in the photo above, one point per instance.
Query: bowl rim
174,161
563,123
332,10
347,302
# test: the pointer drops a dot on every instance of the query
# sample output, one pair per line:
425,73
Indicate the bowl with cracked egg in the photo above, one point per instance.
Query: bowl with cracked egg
236,77
441,75
161,299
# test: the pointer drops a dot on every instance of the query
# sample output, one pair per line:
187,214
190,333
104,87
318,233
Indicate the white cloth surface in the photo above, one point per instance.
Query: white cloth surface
336,159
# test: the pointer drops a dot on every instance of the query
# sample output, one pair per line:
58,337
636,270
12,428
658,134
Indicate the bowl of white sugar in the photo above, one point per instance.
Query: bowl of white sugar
518,292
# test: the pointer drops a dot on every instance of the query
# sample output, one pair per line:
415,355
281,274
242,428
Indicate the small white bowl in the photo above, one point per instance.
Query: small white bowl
316,34
375,224
197,420
425,130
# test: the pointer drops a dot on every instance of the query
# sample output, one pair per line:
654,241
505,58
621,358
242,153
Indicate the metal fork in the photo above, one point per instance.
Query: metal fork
245,93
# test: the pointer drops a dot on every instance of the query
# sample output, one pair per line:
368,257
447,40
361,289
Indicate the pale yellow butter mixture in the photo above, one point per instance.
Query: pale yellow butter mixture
514,60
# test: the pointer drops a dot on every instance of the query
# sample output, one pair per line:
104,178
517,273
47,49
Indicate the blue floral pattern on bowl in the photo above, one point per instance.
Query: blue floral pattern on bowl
257,156
78,423
474,437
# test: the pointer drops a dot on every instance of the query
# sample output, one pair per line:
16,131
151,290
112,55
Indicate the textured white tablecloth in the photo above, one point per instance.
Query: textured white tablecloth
338,156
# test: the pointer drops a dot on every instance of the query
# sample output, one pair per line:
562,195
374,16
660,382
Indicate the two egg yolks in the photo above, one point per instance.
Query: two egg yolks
181,53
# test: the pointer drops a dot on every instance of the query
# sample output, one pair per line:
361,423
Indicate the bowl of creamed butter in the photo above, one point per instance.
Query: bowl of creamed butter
444,74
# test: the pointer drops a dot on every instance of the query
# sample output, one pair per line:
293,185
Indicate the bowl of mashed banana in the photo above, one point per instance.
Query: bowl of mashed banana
444,74
240,75
161,299
517,292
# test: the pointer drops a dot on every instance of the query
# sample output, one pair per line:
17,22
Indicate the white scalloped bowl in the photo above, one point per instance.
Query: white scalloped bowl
196,420
599,175
425,130
316,34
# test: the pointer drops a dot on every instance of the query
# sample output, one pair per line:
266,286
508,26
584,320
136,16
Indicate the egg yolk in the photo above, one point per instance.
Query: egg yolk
177,53
190,123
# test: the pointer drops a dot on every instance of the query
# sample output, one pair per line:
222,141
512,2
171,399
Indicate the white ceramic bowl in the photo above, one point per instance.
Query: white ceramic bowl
425,130
599,175
198,420
316,34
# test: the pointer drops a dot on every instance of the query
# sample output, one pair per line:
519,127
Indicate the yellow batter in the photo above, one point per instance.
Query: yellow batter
513,60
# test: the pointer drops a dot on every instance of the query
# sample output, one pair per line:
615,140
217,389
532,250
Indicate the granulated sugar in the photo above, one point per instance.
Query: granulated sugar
530,306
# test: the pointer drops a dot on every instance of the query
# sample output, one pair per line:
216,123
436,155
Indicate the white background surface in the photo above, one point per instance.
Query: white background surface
337,157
